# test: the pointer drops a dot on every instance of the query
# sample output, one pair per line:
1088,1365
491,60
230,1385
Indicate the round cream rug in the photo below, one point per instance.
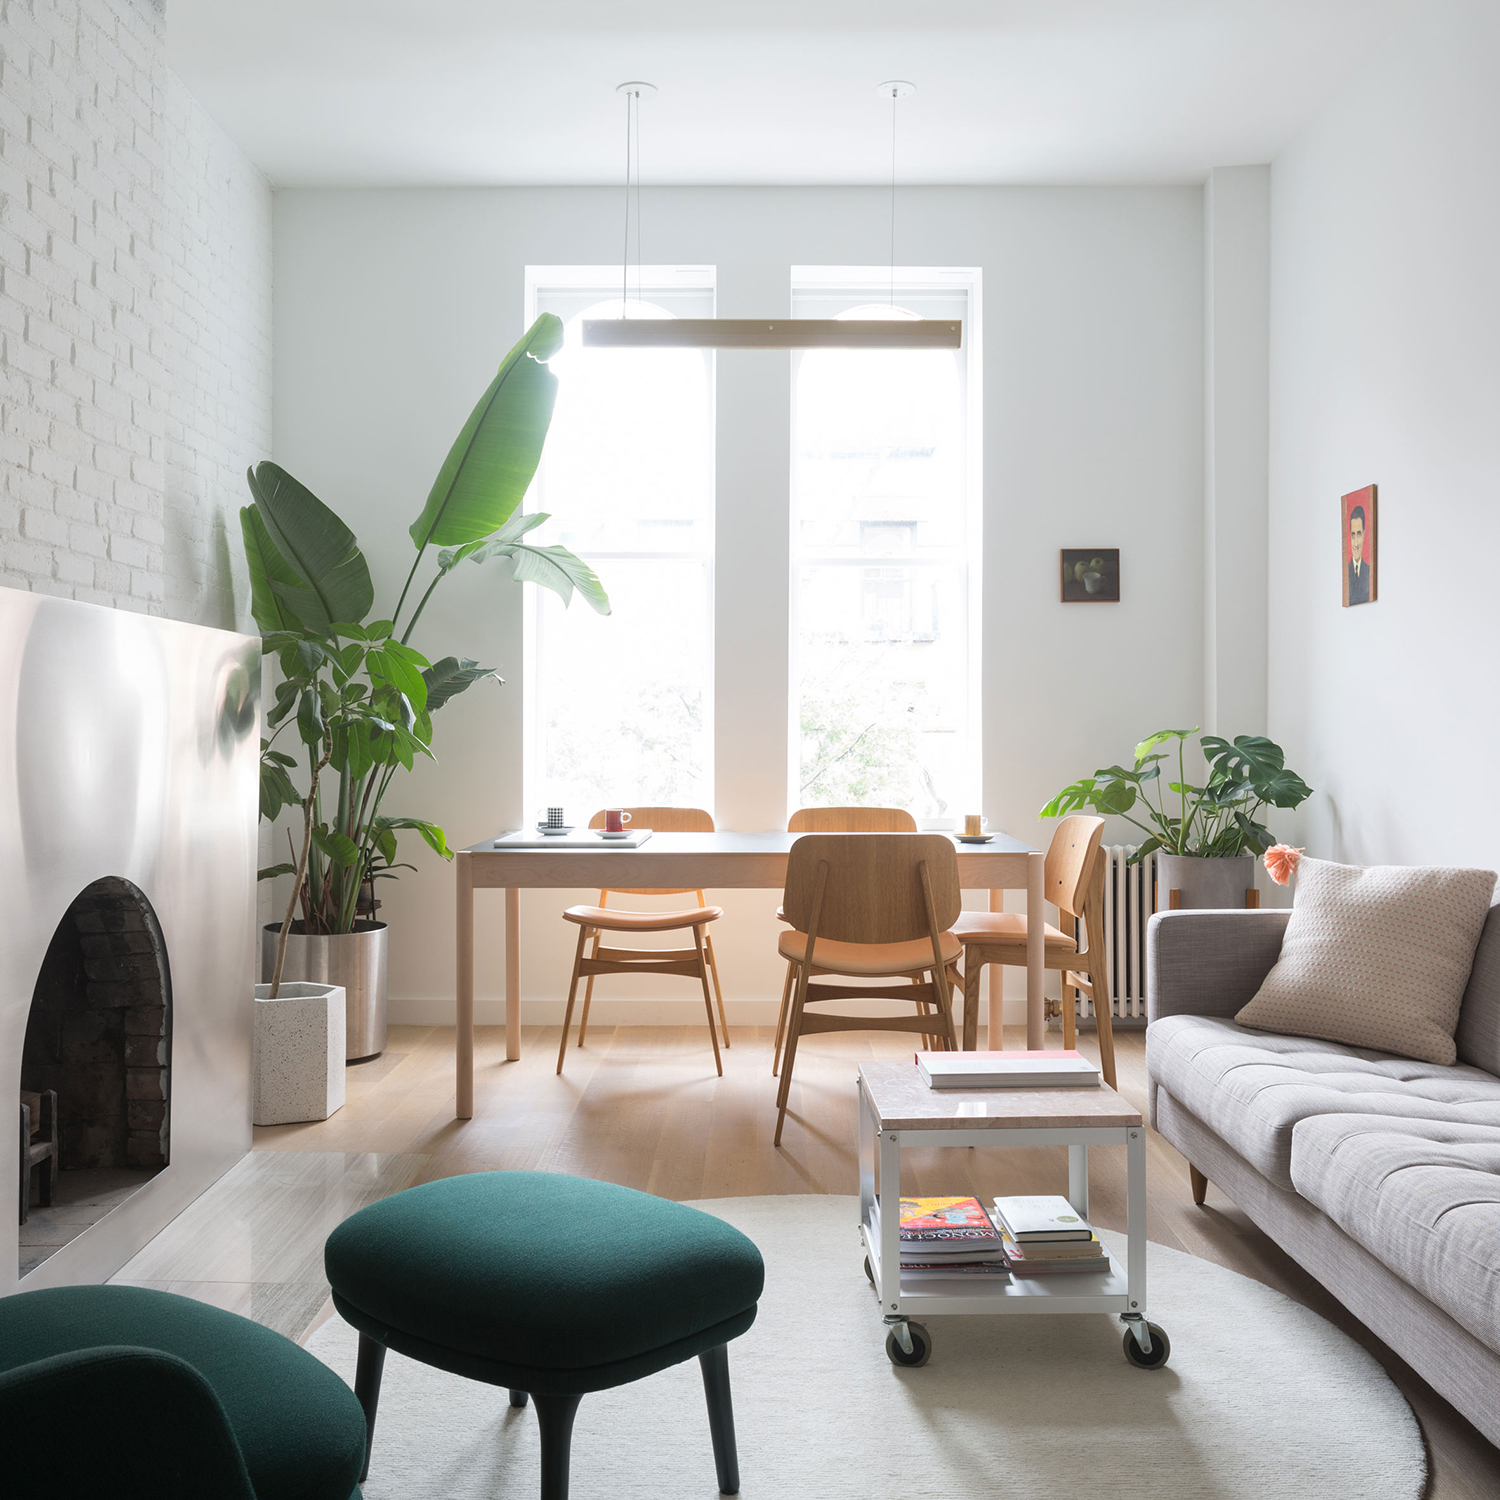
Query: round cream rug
1261,1398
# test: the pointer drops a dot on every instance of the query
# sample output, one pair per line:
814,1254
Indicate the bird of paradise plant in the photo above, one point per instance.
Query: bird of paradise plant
356,698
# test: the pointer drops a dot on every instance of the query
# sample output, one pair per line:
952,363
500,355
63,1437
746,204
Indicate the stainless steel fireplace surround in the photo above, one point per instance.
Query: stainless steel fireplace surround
129,749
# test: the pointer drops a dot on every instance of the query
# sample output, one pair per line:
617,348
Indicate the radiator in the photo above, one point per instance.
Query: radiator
1129,900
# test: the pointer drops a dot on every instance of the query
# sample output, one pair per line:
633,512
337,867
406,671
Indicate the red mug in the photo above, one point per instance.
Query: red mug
615,820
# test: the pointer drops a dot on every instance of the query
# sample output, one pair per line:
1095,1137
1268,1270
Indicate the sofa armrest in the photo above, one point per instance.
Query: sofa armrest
1209,963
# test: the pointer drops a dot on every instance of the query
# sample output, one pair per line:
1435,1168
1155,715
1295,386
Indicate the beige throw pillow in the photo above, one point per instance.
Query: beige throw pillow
1376,957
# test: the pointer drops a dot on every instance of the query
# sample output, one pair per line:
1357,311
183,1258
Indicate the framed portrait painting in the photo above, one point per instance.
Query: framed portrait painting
1360,555
1090,575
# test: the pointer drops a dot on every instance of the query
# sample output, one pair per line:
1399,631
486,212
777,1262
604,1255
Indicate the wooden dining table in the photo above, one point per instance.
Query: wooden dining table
693,861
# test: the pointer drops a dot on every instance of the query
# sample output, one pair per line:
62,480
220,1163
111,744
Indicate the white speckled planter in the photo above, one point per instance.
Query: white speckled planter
299,1052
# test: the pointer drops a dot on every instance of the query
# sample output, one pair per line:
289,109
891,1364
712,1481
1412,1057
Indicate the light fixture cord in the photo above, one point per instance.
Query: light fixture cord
894,96
625,254
638,291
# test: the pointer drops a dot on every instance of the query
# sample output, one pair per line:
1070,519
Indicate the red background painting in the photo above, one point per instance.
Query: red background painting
1366,498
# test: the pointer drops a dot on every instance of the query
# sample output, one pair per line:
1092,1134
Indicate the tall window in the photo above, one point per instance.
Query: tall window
619,709
885,551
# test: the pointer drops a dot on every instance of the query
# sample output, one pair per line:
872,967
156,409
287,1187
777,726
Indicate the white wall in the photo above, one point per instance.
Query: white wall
393,308
135,313
1385,332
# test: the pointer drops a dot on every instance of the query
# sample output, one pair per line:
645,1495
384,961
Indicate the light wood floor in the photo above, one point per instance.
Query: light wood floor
641,1106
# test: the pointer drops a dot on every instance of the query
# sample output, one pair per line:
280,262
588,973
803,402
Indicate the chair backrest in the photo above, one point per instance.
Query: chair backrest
660,820
851,820
1072,857
872,892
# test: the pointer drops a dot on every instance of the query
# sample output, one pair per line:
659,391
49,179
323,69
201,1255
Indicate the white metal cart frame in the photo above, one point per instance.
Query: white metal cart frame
897,1112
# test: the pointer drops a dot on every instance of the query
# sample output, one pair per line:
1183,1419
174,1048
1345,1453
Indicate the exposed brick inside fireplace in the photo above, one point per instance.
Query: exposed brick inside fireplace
100,1031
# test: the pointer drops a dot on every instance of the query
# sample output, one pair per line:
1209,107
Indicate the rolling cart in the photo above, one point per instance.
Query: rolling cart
897,1111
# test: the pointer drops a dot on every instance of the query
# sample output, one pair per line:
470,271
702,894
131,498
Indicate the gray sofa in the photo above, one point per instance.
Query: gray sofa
1379,1175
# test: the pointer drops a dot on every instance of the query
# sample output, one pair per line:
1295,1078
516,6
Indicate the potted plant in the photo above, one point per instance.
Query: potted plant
1207,844
355,702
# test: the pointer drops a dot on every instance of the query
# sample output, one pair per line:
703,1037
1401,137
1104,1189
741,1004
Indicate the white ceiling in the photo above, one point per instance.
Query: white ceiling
765,91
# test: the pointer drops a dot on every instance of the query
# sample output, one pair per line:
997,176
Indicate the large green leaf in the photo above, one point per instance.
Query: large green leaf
553,568
268,568
492,461
332,579
451,676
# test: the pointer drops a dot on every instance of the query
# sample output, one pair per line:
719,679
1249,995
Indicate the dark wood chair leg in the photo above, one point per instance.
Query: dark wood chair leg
367,1373
1200,1184
715,1365
554,1416
518,1399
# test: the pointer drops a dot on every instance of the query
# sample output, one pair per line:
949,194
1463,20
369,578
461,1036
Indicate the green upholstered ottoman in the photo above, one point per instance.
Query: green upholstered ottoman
300,1431
548,1285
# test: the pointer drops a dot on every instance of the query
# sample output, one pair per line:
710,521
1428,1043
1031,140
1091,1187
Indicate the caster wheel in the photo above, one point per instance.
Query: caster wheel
921,1347
1161,1349
869,1271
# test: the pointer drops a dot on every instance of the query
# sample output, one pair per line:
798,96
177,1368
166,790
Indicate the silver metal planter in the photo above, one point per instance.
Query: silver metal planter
356,960
1206,884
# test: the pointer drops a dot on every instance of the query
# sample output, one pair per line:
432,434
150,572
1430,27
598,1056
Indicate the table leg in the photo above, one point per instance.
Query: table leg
1036,932
1078,1180
1135,1218
890,1221
463,1047
512,974
996,1039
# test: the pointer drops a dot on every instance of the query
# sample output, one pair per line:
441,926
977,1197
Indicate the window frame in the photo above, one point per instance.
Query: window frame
641,283
879,282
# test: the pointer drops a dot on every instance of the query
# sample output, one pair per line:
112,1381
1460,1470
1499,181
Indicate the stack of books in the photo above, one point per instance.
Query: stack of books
1046,1235
1007,1070
947,1237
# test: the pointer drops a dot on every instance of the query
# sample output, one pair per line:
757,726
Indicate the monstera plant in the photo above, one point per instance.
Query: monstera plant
354,707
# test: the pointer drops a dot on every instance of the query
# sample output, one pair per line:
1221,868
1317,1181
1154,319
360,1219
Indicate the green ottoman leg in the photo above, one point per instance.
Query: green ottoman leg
715,1363
518,1399
554,1415
367,1373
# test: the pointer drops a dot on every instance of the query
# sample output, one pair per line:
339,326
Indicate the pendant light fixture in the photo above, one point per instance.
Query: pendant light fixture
626,332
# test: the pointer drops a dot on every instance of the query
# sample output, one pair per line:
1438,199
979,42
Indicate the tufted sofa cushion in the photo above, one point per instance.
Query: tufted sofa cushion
1253,1088
1422,1196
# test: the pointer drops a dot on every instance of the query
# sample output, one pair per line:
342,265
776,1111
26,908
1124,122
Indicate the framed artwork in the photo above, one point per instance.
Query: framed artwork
1358,548
1090,575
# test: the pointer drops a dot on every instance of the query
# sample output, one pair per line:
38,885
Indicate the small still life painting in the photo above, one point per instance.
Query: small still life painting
1090,575
1359,555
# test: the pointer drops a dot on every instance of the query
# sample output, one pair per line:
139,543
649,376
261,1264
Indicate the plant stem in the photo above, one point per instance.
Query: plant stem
291,906
407,585
441,574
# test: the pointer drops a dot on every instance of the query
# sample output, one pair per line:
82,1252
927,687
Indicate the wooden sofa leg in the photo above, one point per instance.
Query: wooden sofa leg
1200,1184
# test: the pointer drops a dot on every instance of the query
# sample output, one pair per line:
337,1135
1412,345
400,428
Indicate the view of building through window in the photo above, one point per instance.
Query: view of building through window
619,709
885,548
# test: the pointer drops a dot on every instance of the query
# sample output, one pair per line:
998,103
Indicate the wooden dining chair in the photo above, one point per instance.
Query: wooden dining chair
869,907
595,921
1074,883
832,820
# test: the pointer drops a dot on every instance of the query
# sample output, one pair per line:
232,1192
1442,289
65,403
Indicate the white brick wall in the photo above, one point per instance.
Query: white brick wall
135,318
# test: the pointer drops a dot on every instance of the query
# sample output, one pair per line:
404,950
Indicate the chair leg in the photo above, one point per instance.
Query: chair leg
1069,1014
588,992
708,999
562,1046
1098,972
367,1373
25,1163
1200,1184
554,1416
715,1364
973,970
945,1008
713,968
793,1028
781,1015
518,1399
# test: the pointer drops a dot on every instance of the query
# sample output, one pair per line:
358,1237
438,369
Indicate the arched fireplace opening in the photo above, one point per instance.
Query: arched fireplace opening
96,1087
